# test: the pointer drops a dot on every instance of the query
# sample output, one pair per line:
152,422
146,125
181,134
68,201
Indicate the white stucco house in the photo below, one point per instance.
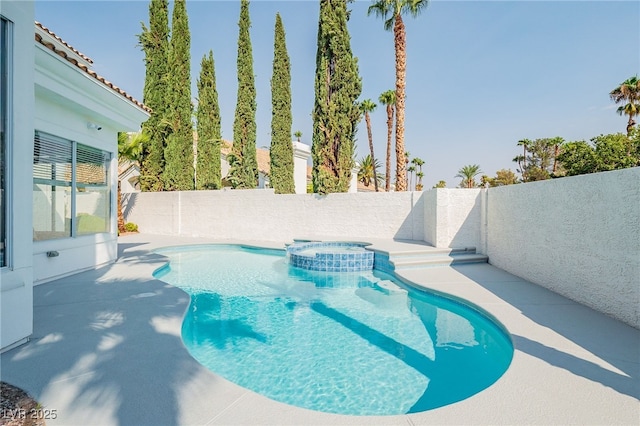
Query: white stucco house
262,158
129,176
59,122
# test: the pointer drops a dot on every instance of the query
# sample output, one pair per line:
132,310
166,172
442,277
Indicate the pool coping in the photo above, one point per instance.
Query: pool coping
106,349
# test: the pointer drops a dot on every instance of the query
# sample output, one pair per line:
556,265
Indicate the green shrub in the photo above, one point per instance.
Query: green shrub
90,224
130,227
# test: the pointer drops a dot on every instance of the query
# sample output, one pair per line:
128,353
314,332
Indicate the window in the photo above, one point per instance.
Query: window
52,180
4,137
71,188
92,190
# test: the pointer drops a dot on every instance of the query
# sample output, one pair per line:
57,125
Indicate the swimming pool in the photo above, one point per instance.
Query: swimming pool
349,343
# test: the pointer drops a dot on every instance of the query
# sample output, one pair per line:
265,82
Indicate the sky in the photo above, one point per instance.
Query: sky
481,75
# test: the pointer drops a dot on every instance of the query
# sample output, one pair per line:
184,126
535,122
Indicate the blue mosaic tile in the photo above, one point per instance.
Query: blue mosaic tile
328,261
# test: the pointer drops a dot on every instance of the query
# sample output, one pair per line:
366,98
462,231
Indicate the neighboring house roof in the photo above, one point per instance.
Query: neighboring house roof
70,54
125,166
262,156
370,188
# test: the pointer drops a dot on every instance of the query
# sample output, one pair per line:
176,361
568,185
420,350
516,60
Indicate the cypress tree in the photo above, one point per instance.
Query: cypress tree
155,44
208,174
245,175
178,154
336,111
281,176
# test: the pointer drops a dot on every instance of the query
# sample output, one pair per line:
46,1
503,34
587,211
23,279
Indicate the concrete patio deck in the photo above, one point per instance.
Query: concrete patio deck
106,349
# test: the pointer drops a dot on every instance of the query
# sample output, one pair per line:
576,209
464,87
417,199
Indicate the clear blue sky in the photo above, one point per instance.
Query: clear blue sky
481,75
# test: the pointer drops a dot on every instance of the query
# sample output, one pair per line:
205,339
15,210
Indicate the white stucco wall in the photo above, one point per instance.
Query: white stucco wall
577,236
430,200
301,154
263,215
75,255
16,280
452,217
353,184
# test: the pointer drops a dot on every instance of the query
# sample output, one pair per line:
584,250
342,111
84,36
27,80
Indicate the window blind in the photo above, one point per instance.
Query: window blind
92,166
52,160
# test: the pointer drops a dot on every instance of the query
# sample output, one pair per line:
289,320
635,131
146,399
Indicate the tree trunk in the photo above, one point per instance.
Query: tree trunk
373,158
524,162
630,125
389,132
401,68
120,215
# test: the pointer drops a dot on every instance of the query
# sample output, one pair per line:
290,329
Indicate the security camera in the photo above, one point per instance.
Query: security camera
93,126
99,128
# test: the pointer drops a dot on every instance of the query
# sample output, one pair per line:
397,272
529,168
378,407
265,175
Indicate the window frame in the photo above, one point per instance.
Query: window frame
6,133
73,184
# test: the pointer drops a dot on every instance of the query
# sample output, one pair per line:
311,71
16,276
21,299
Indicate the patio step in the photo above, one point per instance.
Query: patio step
434,261
435,258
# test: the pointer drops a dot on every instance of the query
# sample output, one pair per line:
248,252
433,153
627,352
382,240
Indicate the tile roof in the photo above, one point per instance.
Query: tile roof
84,63
262,156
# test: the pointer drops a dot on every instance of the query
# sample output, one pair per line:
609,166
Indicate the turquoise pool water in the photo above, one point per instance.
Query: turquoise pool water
348,343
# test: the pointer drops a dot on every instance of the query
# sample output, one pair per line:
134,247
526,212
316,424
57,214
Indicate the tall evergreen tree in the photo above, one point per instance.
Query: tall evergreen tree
154,41
281,148
336,112
245,175
208,173
178,154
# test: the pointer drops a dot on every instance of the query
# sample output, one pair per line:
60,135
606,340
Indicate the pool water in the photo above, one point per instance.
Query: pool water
348,343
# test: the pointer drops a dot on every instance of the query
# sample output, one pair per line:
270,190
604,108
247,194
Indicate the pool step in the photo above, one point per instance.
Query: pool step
389,287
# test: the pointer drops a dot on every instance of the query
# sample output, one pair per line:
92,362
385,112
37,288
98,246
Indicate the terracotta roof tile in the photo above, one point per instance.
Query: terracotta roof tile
54,35
82,66
262,156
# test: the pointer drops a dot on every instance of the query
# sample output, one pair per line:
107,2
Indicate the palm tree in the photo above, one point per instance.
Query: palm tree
366,107
391,12
367,172
557,145
631,110
522,159
129,149
419,186
628,91
410,171
388,98
297,134
418,162
468,174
